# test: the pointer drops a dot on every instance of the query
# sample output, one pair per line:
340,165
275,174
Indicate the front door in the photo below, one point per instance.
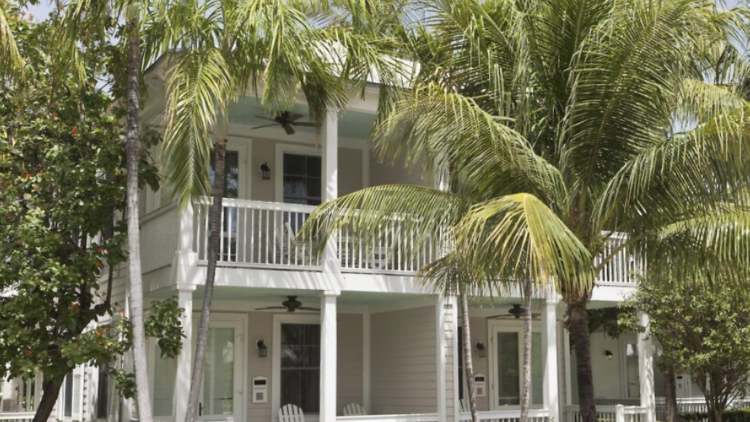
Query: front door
221,389
507,365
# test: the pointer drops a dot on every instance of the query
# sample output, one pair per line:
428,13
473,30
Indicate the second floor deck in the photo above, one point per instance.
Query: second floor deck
261,235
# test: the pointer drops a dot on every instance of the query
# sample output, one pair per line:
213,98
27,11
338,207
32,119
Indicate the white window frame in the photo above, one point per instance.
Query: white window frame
282,149
278,320
239,323
501,326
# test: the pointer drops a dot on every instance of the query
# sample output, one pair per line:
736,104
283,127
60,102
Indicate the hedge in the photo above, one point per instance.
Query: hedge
730,415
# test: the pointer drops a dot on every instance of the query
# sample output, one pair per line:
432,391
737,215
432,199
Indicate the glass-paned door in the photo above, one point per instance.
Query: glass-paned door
228,248
300,366
508,367
221,386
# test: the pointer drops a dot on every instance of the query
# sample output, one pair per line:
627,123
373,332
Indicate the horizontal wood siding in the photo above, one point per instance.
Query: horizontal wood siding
404,361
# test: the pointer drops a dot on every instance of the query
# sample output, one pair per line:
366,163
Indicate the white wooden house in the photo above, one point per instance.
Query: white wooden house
380,340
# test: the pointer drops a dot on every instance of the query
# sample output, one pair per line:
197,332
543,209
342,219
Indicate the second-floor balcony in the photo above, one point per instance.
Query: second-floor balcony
258,234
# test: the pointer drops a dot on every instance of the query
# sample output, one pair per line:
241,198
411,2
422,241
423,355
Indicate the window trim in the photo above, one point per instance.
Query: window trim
278,320
507,326
282,149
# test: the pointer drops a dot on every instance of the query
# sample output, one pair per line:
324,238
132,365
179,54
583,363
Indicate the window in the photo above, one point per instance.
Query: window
632,371
302,179
300,366
102,395
231,173
68,403
509,354
218,375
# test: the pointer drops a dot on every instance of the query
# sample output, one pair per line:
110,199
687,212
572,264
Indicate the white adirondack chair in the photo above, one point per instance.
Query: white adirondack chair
354,409
291,413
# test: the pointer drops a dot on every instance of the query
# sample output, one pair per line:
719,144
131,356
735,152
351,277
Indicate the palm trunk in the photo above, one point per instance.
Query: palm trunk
670,394
579,334
468,366
214,217
132,136
50,393
526,383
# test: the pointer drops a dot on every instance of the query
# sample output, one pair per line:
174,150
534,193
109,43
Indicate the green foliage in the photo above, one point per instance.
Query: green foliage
732,415
165,323
704,330
62,172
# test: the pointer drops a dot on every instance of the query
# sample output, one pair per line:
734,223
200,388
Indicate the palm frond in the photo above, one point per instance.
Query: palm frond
439,129
11,61
518,237
420,210
199,88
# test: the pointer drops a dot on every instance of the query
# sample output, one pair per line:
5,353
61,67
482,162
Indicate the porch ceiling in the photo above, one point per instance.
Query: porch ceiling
276,295
352,124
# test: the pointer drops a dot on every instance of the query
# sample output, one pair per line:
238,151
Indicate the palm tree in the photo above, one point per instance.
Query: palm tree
572,104
89,17
226,48
11,61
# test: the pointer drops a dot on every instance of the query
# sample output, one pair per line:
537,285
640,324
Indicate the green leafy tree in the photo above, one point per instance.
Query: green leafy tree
704,330
610,114
62,159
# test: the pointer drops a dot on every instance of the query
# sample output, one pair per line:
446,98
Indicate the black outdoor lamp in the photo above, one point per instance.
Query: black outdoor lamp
262,348
481,349
265,171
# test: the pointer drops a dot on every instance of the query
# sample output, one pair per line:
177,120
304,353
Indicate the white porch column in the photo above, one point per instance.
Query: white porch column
646,368
366,361
328,345
184,359
549,350
330,188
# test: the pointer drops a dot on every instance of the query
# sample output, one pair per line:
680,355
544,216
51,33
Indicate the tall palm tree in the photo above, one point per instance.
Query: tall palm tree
573,104
225,48
11,61
89,17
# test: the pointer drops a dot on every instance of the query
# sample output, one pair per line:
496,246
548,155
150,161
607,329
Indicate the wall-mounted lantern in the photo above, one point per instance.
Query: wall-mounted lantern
481,350
265,171
608,354
262,348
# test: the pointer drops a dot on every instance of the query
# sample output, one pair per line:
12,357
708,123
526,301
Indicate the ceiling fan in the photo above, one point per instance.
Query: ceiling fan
286,120
291,304
516,312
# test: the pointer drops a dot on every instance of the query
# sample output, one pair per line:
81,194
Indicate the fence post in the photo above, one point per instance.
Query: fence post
619,413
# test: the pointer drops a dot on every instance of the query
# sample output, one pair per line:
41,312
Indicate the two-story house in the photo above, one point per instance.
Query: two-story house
350,326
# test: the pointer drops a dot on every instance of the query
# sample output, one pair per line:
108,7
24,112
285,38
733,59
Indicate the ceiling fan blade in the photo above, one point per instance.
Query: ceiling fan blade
262,126
292,117
306,308
266,118
269,308
305,124
500,316
288,129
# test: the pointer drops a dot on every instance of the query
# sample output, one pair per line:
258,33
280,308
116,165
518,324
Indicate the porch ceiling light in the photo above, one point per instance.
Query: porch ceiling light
481,350
262,348
265,171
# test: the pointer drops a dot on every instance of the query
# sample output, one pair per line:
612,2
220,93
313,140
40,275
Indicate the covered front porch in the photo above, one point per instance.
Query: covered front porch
383,352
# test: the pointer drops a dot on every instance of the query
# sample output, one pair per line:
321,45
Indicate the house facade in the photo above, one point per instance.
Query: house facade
347,326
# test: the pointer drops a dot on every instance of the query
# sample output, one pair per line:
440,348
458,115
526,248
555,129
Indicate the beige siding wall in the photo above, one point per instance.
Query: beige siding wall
264,150
349,361
404,361
450,361
388,173
481,365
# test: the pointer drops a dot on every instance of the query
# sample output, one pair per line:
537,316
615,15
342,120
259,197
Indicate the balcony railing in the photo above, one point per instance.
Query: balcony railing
262,235
535,415
617,413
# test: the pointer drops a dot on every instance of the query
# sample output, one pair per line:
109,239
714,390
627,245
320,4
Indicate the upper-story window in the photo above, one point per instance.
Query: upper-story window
302,179
231,173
